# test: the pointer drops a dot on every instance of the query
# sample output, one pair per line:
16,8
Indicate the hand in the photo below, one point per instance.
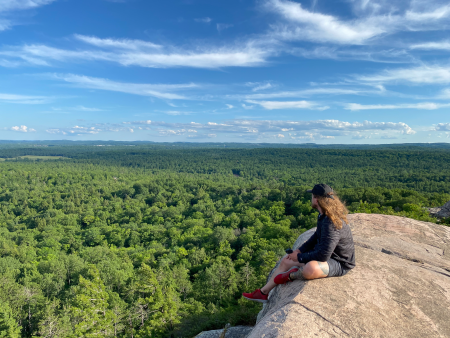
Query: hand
293,255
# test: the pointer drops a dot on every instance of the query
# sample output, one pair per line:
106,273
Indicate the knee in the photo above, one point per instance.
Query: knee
311,270
284,262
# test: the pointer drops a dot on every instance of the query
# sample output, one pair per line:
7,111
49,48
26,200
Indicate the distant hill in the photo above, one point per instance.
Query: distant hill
150,144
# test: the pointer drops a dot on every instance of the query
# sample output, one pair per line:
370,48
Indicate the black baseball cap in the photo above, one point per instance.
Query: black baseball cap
322,190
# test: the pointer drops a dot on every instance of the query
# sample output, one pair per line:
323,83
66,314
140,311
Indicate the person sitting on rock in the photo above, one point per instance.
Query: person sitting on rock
329,252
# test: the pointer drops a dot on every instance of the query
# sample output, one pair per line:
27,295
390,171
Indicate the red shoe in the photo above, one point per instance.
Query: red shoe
256,296
283,278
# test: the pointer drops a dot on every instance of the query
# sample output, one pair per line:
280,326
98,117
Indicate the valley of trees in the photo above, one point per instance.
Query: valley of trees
146,240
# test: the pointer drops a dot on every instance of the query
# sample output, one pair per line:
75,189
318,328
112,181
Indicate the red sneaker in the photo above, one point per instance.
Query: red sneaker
283,278
256,296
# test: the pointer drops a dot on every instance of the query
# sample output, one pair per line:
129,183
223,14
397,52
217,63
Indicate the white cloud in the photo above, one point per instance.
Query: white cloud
8,7
81,130
24,99
320,27
309,92
177,113
163,91
83,108
443,127
133,53
259,86
247,107
23,129
204,20
423,106
4,24
229,106
441,45
117,43
12,5
371,21
250,129
289,105
256,126
222,26
424,74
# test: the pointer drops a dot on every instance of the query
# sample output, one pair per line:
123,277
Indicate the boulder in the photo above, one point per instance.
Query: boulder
232,332
400,287
441,212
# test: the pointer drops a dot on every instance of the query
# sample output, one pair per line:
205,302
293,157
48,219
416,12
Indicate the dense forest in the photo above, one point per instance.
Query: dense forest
147,240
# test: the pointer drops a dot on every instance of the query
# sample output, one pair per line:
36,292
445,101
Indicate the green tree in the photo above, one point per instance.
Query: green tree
90,307
8,326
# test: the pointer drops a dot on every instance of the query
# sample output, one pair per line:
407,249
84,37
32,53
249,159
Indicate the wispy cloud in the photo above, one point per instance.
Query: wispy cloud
117,43
203,20
178,113
8,7
162,91
222,26
140,53
302,24
421,106
440,45
424,74
24,99
310,92
270,105
83,108
13,5
257,86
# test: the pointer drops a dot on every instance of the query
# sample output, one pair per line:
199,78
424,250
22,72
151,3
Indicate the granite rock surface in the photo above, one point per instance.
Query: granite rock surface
232,332
441,212
400,287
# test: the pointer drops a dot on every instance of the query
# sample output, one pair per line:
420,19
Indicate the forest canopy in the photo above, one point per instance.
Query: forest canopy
147,240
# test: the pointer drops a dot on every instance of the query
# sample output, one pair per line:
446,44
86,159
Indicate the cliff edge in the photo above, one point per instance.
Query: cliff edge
399,288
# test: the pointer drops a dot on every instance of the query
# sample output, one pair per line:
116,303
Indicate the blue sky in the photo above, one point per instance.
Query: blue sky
350,71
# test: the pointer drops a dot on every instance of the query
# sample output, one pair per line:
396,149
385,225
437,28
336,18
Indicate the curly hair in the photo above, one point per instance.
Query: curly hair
334,209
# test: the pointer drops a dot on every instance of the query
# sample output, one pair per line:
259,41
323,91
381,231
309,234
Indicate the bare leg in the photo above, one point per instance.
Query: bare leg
285,265
312,270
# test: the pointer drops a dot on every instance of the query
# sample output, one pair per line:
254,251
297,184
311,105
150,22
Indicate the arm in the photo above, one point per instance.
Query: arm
309,244
329,239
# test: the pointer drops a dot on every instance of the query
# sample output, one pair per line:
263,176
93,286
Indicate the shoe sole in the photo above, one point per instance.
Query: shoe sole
294,267
256,300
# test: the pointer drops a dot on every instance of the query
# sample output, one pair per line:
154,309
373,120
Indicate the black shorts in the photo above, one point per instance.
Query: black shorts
336,268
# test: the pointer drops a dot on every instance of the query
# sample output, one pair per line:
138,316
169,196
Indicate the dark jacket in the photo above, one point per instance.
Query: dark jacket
328,242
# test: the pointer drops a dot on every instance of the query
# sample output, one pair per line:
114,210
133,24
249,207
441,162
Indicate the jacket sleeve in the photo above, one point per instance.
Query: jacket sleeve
309,244
329,238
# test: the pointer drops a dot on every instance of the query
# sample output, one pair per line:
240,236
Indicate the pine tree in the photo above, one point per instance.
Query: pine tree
156,308
90,307
8,326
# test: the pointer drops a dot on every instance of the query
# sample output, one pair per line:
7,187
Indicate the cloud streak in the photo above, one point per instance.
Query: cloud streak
13,5
302,24
271,105
424,74
161,91
140,54
24,99
421,106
